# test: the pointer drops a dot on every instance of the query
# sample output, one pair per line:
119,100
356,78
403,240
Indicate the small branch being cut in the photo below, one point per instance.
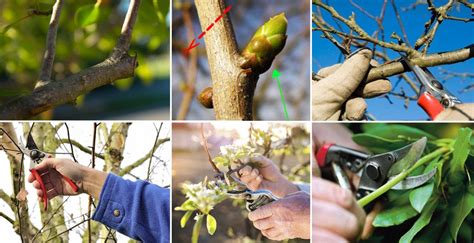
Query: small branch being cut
206,148
397,67
50,52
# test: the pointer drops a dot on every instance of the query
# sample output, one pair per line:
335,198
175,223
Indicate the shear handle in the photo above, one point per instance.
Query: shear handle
352,159
39,179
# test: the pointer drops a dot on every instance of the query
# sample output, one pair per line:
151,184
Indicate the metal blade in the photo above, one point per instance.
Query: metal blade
414,181
407,156
30,142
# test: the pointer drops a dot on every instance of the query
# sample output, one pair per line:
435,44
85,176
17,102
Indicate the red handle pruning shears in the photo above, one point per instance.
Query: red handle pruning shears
36,156
434,98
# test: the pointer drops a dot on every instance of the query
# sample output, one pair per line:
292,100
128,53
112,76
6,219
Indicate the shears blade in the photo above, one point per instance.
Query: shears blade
414,181
405,157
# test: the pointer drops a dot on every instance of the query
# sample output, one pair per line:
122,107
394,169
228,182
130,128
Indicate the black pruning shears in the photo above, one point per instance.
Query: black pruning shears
31,150
254,199
374,169
433,98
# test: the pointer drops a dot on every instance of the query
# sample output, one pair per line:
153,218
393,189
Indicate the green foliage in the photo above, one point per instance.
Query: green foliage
87,15
449,197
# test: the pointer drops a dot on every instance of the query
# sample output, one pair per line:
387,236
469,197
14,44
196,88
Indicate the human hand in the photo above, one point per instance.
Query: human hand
51,170
266,176
286,218
339,90
336,215
460,112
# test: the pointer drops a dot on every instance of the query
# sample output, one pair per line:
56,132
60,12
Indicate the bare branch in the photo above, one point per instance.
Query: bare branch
50,52
7,218
140,161
397,67
123,43
80,147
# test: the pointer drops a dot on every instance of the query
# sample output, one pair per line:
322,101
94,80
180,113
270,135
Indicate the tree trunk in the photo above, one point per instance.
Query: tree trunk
233,88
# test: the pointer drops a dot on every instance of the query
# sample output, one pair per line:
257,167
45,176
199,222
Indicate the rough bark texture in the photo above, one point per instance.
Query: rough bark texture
59,92
233,87
22,223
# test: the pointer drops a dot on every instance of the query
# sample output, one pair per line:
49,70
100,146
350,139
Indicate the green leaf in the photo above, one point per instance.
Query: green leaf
162,9
197,228
221,161
186,206
459,211
421,222
461,150
395,131
211,224
394,216
420,196
185,218
87,15
378,144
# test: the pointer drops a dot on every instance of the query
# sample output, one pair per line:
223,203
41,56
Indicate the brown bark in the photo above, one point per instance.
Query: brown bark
394,68
22,224
233,88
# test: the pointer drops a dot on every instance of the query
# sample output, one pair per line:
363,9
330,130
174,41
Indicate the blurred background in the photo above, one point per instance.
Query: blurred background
451,35
246,17
22,44
190,165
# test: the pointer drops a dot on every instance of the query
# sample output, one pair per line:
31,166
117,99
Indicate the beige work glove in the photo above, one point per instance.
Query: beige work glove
339,92
461,112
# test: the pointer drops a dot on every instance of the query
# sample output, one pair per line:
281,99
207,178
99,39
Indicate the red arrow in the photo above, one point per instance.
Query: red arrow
190,47
193,44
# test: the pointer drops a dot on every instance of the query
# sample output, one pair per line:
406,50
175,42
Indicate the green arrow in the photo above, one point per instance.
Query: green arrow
276,75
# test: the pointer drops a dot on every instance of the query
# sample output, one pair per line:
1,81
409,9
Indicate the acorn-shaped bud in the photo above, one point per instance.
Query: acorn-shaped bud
205,98
265,44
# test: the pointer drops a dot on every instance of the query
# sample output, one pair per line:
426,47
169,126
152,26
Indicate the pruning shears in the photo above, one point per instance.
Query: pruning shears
433,98
31,150
254,199
374,169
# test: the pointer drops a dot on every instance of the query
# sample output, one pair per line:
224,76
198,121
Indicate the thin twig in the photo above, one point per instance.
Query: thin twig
204,144
50,52
153,149
123,43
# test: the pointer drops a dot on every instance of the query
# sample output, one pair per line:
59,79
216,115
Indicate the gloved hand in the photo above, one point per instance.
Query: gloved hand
460,112
267,176
339,90
286,218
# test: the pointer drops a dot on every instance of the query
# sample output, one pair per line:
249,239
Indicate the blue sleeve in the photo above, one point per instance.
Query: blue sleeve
138,209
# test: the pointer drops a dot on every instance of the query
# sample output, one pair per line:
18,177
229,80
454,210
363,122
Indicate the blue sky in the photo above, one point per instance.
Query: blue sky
452,35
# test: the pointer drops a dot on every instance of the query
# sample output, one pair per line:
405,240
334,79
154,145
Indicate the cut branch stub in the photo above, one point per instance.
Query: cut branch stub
265,44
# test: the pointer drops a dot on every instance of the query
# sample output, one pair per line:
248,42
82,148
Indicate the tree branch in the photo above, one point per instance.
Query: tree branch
80,147
397,67
123,43
50,52
233,90
118,66
7,218
140,161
